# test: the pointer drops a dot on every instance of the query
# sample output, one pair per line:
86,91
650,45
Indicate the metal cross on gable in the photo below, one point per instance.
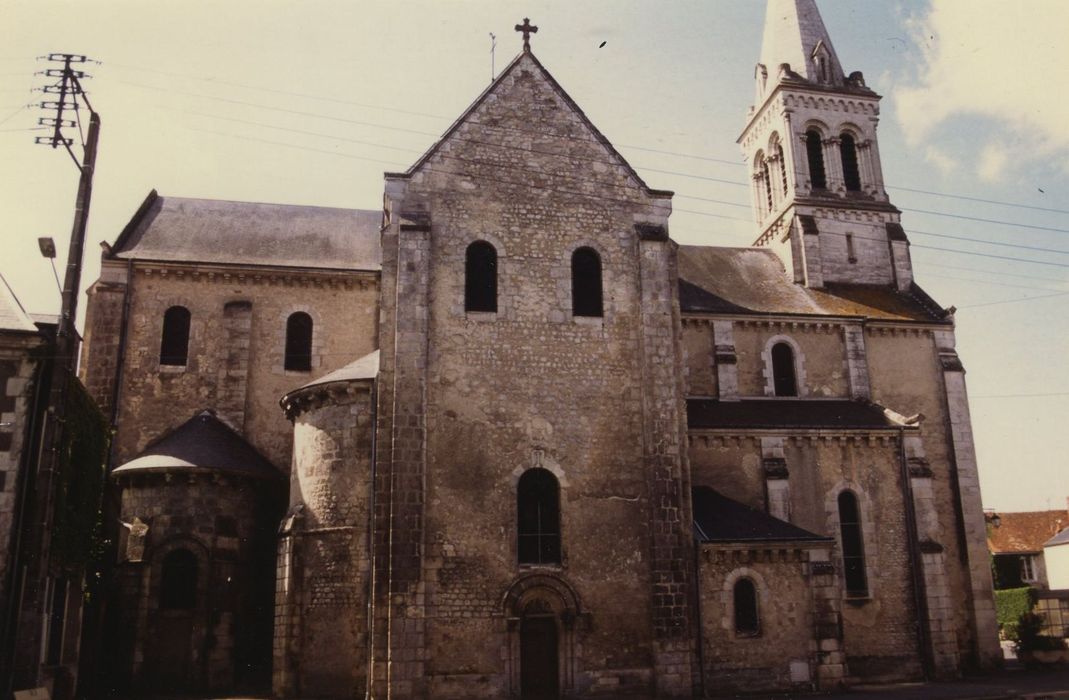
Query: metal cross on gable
528,29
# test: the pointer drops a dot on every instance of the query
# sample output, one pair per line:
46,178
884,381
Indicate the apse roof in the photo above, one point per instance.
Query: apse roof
183,230
811,414
718,518
367,367
201,444
753,281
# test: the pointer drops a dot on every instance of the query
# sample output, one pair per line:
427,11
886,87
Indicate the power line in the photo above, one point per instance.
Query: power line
1014,301
977,199
987,221
1020,396
994,272
988,255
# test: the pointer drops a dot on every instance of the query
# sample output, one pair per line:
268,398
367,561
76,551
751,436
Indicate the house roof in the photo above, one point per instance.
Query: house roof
201,444
12,316
1059,539
718,518
527,59
1024,533
753,281
178,229
789,413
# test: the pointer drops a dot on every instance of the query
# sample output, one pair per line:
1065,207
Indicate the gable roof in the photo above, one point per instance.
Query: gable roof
12,316
183,230
1024,533
1059,539
527,59
718,518
753,281
201,444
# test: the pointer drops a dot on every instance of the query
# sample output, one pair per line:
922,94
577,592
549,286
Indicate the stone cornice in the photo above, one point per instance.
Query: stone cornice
286,277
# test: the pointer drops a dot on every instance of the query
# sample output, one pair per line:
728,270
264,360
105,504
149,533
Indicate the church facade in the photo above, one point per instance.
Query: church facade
506,438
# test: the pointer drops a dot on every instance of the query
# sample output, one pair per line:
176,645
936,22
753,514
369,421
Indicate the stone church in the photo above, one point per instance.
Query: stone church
504,437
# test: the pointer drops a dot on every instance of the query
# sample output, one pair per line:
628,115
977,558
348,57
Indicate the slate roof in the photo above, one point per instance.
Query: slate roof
789,413
1024,533
754,281
718,518
367,367
177,229
1061,538
12,316
201,444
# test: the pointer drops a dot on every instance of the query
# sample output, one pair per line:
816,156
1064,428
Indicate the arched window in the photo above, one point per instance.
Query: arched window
747,621
853,546
178,581
174,345
586,283
299,342
759,180
848,153
781,163
784,381
480,277
814,149
766,186
538,517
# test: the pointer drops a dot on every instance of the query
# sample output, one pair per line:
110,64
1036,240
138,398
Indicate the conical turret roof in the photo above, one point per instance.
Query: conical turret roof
795,34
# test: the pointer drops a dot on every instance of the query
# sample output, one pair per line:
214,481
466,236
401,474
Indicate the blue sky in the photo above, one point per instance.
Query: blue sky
309,103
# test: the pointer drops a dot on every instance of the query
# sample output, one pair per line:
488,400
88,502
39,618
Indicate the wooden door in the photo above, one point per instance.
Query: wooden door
539,659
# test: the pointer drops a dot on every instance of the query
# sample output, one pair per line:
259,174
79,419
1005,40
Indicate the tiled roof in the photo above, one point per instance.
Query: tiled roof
1020,533
788,413
201,444
1061,538
754,281
718,518
367,367
176,229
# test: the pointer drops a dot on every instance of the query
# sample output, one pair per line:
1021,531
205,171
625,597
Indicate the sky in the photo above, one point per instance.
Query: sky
309,103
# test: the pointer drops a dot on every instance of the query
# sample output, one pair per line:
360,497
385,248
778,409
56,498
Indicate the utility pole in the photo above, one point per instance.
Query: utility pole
40,578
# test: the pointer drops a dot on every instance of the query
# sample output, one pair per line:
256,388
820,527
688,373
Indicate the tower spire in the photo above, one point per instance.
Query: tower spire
795,35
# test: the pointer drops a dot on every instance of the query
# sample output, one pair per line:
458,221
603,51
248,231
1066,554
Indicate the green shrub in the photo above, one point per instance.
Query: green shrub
1010,605
1029,638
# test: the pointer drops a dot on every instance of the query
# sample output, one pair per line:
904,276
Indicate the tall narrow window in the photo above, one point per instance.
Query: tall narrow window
766,182
178,581
851,252
480,277
853,546
747,621
174,345
784,381
299,342
586,283
538,518
848,153
781,163
814,149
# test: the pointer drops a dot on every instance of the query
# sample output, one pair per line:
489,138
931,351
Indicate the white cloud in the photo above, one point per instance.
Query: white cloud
992,162
992,59
943,161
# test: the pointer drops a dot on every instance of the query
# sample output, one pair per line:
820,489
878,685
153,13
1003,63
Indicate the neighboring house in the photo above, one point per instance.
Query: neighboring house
40,625
1056,556
1016,542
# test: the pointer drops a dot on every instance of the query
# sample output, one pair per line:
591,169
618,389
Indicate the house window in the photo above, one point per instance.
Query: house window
178,581
814,150
848,153
853,546
747,622
480,277
299,342
174,345
784,382
538,518
586,283
1028,568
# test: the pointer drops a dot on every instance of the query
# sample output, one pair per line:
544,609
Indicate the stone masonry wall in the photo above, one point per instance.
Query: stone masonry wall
322,644
879,636
343,310
226,524
531,386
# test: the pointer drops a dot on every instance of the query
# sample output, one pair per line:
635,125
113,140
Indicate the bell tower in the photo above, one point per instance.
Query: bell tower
811,147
